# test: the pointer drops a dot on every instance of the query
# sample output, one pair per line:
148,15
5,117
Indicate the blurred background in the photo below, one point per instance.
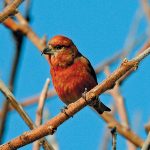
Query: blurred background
101,30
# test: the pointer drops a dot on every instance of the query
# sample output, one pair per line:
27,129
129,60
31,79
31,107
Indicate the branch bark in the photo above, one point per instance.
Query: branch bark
10,10
26,30
146,9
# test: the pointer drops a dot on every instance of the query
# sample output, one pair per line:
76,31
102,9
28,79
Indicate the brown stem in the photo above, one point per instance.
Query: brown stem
26,30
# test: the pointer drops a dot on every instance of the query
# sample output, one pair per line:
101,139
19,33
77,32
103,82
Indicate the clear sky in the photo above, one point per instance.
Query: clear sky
99,29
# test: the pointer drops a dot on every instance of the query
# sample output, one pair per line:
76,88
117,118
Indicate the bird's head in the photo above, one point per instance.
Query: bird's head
61,51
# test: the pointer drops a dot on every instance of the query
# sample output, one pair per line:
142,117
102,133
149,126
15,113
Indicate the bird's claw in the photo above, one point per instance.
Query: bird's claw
84,95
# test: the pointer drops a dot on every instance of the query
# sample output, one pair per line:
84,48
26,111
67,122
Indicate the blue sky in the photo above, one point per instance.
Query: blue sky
99,29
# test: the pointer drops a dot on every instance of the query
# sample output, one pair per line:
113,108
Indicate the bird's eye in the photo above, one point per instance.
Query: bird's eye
58,47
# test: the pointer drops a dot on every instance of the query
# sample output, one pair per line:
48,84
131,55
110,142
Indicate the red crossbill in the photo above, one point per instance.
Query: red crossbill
71,72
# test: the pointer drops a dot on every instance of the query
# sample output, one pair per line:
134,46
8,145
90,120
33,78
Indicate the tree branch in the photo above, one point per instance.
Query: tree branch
51,126
10,10
26,30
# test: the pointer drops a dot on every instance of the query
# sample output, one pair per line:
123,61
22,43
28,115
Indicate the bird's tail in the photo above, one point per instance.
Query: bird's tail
99,106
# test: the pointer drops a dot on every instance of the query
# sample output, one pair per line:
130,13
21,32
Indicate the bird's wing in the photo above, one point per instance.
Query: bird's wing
88,65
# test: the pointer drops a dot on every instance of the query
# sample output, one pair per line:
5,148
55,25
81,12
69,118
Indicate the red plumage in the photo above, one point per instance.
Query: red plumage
71,72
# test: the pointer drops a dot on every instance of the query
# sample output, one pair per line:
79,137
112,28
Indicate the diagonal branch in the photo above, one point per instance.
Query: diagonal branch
120,55
146,9
51,126
10,10
26,30
34,99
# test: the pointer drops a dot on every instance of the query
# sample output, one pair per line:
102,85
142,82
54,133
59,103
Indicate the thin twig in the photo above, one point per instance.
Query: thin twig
142,55
39,112
119,55
145,47
146,9
51,126
26,30
10,10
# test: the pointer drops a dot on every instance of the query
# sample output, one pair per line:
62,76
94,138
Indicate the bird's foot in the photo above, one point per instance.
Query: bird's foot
63,110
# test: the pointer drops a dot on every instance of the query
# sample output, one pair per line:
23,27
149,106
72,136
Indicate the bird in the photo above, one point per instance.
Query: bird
72,73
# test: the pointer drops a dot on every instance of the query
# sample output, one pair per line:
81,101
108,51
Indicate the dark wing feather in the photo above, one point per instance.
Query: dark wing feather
91,70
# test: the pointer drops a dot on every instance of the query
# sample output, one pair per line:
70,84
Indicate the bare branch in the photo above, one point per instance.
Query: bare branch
26,30
10,10
34,99
51,126
142,55
146,9
145,47
119,55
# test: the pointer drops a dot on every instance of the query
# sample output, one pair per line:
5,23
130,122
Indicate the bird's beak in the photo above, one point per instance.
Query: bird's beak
47,51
